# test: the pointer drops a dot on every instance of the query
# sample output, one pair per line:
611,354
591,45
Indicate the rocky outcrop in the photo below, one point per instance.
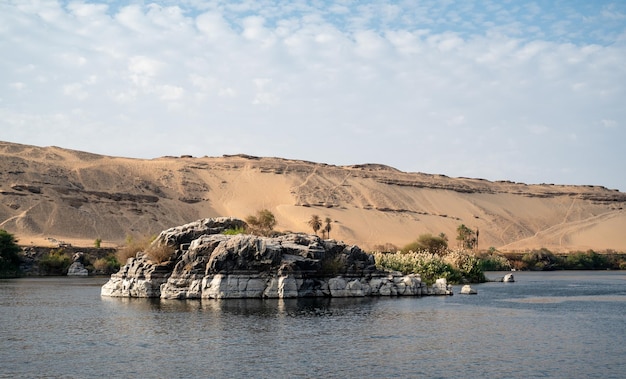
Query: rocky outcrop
77,268
209,264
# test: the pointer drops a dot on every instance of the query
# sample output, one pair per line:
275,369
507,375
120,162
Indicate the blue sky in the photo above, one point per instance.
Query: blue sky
531,92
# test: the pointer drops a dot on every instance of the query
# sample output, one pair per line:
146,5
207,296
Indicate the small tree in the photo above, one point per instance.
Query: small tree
9,259
466,237
327,226
263,222
97,243
315,223
434,244
428,242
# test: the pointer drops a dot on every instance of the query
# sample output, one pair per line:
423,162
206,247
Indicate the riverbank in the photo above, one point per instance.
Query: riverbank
534,260
55,261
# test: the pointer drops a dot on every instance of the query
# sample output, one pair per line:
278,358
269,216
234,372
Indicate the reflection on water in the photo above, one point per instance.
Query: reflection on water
561,299
543,325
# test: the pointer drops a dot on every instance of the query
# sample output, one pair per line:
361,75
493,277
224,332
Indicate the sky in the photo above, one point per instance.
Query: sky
526,91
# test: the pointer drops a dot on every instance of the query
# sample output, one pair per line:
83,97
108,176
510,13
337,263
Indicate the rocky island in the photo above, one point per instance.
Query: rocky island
205,263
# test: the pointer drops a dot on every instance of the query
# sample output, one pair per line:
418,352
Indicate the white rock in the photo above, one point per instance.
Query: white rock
468,290
508,278
77,269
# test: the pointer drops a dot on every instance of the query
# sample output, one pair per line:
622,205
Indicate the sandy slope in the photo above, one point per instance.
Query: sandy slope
78,197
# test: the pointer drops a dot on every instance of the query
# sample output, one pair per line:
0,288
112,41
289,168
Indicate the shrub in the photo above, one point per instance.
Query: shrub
494,262
106,265
262,223
56,262
430,266
9,258
332,266
132,247
468,266
160,253
234,231
428,242
386,247
97,242
539,260
586,261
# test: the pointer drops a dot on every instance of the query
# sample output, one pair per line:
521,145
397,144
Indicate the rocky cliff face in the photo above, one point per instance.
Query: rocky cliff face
209,264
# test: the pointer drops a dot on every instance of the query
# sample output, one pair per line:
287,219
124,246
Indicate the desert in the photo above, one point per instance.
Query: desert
52,195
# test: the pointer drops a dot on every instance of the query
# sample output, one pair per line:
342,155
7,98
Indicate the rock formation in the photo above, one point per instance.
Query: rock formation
468,290
77,268
208,264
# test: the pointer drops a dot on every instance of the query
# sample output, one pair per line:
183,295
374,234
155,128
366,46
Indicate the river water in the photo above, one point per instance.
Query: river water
545,325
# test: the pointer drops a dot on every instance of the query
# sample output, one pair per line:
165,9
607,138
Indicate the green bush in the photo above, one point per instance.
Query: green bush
540,260
234,231
494,262
467,265
262,224
56,262
456,267
331,266
428,242
106,265
9,258
586,261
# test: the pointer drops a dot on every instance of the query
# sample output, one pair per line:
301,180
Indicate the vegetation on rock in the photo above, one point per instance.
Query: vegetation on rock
262,223
106,265
132,247
234,231
160,253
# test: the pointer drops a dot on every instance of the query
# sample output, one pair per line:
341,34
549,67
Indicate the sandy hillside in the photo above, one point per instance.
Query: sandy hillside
57,194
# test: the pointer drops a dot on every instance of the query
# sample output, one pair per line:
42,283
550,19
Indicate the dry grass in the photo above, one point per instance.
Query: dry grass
132,247
160,254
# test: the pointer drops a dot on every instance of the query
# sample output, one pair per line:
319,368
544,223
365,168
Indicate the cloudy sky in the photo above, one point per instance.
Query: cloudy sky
528,91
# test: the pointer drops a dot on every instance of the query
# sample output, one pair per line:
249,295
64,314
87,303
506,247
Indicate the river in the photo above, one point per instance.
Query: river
545,325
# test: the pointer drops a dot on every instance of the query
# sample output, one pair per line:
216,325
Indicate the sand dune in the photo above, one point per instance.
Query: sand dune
77,197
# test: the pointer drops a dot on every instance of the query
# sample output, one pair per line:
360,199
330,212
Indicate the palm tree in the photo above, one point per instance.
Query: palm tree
315,223
327,226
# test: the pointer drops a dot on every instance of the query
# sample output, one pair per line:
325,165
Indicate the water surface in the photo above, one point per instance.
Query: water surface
550,325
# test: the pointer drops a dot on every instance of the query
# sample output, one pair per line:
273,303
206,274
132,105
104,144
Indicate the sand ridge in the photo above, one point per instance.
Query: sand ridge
73,196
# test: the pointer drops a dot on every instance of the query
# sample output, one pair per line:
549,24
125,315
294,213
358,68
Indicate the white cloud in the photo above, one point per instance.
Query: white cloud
368,81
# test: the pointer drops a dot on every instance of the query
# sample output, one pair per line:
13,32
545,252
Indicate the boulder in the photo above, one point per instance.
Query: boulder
77,269
208,264
468,290
508,278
